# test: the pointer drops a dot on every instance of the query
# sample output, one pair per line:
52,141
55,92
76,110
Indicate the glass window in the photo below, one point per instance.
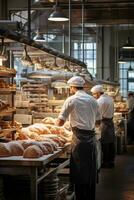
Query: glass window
87,55
126,78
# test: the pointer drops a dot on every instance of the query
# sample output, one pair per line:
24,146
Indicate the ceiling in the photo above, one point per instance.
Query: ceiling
95,11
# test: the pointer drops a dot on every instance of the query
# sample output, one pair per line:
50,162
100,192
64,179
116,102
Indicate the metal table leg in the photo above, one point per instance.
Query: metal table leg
33,184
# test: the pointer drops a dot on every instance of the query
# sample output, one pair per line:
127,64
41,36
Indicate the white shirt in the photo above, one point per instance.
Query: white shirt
130,103
82,110
106,106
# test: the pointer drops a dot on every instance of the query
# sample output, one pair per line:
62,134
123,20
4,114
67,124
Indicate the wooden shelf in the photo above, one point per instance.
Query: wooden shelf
7,112
7,90
7,74
6,131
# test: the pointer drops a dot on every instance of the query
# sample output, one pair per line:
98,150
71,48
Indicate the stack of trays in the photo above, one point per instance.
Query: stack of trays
50,187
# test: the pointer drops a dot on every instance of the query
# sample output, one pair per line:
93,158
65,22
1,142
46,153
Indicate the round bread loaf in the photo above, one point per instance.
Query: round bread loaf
4,150
16,148
26,143
32,152
49,146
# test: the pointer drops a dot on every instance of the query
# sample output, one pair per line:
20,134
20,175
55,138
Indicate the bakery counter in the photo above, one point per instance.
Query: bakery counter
36,169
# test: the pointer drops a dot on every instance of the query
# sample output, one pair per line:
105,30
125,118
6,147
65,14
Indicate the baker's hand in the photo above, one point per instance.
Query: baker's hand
59,122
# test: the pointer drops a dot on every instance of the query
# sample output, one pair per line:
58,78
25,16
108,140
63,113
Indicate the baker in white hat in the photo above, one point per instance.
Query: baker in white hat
83,112
106,106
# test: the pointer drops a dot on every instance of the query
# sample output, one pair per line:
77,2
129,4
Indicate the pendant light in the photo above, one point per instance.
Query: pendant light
39,37
121,60
130,67
25,59
3,54
57,15
128,44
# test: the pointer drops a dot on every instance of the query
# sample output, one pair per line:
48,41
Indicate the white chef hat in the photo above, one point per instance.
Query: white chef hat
76,81
97,88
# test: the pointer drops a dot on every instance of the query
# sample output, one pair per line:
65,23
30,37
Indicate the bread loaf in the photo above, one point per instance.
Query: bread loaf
16,148
32,152
4,150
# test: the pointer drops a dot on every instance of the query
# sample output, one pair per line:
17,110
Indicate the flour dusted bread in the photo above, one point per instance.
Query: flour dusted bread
32,152
48,120
29,143
15,148
39,128
41,146
26,143
4,150
48,146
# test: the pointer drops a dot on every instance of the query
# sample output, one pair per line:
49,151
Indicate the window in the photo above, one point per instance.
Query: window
88,55
126,79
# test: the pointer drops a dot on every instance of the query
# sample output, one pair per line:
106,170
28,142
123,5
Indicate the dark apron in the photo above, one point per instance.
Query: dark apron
130,125
107,131
83,157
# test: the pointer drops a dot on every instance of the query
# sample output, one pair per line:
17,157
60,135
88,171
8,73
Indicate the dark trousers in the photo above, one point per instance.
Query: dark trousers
85,191
108,150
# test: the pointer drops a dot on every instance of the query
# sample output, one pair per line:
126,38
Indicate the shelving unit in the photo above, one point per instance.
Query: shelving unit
7,91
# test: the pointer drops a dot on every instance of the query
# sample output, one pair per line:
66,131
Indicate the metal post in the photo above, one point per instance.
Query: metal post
63,40
69,40
82,20
29,19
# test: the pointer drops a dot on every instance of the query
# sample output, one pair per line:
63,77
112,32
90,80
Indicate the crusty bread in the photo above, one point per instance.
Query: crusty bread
32,152
48,146
16,148
27,143
4,150
48,120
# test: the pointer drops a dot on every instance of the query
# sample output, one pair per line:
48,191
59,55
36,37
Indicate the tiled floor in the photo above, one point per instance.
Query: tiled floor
118,183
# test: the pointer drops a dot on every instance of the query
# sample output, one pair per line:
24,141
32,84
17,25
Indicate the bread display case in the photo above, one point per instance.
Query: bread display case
7,109
39,153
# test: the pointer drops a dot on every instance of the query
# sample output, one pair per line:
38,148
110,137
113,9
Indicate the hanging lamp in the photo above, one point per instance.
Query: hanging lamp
39,37
121,60
25,59
57,15
128,44
130,67
3,54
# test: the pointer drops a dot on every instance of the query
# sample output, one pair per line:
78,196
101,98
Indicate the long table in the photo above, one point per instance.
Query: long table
17,165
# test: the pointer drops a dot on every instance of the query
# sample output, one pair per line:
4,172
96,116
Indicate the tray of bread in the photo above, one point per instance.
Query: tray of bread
7,72
7,111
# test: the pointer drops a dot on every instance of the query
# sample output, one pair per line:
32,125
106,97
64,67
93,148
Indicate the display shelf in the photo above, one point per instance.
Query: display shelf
55,102
7,112
4,131
41,104
7,74
34,90
7,90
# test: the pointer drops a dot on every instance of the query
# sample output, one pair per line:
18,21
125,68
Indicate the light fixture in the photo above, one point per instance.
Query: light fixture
39,37
121,60
39,74
130,67
66,67
25,59
128,44
3,54
57,15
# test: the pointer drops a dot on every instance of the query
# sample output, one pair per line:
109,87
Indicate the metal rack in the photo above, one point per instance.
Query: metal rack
36,169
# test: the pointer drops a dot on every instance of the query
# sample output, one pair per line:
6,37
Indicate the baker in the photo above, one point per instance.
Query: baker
83,113
106,107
